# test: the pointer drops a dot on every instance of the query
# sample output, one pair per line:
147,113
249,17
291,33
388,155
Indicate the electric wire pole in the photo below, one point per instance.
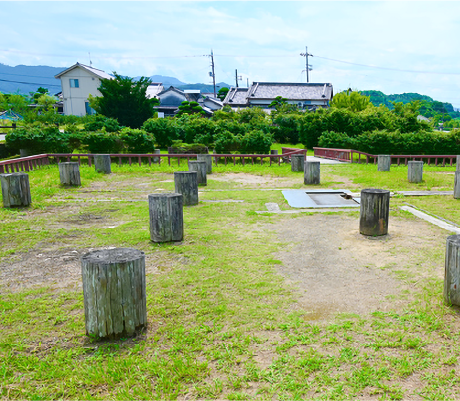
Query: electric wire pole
237,78
307,66
213,74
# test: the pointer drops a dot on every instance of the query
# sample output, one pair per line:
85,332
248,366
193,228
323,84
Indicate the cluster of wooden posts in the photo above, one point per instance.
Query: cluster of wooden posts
114,279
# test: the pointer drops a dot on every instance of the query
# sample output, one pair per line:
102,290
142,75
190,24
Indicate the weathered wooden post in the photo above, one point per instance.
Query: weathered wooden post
156,159
383,162
297,162
312,173
374,212
200,167
208,160
457,185
273,152
114,292
166,217
415,171
452,271
102,164
69,173
186,183
15,189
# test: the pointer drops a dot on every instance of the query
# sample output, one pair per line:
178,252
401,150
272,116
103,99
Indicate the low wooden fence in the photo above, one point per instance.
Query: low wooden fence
355,156
33,162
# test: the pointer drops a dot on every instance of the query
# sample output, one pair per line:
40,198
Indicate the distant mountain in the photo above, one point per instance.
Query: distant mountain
204,88
429,106
25,79
166,81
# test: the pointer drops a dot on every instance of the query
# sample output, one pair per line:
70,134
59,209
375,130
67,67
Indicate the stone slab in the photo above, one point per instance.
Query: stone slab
431,219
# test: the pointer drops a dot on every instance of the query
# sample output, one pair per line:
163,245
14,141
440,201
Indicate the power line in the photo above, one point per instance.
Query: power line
29,83
30,76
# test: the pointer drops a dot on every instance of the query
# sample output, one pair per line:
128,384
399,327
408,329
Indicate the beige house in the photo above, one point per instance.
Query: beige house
78,82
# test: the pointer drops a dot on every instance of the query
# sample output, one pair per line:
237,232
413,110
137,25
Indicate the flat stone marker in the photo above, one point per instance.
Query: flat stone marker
114,292
374,212
15,189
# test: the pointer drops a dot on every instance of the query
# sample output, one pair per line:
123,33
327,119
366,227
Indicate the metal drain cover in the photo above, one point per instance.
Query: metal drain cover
320,198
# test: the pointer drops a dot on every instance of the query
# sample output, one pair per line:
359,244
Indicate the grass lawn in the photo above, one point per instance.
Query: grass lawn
223,323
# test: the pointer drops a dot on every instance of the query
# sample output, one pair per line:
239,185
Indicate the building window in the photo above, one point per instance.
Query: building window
89,111
74,83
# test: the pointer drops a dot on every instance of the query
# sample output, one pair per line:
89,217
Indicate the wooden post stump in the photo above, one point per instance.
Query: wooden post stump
186,183
208,160
102,164
297,162
200,167
312,173
452,271
457,165
374,212
457,185
273,152
166,217
15,189
383,162
415,171
114,292
156,159
69,173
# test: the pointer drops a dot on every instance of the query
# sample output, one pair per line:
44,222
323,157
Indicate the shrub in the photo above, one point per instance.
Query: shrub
340,140
38,138
227,142
163,129
256,142
103,142
285,128
137,141
179,147
100,122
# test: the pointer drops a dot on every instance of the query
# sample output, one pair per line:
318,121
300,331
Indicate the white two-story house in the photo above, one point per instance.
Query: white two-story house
78,82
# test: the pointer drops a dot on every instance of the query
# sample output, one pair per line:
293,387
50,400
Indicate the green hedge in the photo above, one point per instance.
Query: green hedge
396,142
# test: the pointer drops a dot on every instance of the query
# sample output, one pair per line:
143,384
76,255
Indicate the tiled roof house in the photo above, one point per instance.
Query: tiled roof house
261,94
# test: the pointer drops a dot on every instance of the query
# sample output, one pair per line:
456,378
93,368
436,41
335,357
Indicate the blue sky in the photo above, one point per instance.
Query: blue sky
414,44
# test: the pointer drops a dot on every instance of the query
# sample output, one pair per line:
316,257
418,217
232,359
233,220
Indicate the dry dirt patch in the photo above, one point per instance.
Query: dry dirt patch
334,269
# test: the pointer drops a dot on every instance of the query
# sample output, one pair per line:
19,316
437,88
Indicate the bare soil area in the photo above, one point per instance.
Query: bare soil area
335,269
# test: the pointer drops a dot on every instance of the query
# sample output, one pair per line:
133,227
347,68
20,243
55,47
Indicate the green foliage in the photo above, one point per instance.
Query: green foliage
163,129
187,107
227,142
222,93
396,142
179,147
38,138
256,142
193,126
285,127
278,102
137,141
100,122
102,142
125,99
338,140
350,100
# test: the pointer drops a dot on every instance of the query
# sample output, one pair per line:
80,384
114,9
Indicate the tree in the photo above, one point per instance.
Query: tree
125,99
222,93
40,92
350,100
187,107
277,102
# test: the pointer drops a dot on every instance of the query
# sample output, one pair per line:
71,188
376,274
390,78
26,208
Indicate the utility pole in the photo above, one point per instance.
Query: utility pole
307,66
237,78
213,74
